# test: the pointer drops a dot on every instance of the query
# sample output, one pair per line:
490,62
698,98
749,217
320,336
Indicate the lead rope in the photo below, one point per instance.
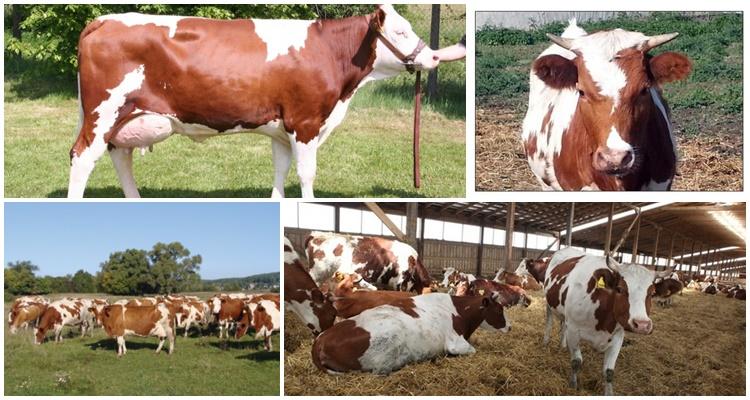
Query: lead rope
417,111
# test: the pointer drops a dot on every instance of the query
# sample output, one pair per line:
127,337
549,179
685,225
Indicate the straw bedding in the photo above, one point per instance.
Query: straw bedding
697,348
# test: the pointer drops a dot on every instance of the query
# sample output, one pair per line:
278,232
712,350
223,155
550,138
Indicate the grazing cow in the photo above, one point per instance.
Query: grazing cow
23,301
264,316
665,288
453,277
192,312
596,118
155,320
69,311
25,314
383,263
302,295
526,282
597,301
515,295
386,338
143,78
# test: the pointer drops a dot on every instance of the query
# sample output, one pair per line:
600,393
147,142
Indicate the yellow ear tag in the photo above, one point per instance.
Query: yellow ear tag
600,283
481,292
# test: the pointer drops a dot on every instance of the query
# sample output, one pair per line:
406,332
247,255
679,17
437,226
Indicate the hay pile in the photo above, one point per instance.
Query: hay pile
697,348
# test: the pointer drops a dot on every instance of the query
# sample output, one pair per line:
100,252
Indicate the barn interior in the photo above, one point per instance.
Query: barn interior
698,344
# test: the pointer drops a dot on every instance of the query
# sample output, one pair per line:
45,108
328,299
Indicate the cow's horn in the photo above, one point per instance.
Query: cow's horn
658,40
560,41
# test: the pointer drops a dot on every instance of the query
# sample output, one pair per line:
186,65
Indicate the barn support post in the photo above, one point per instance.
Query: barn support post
636,238
569,230
421,234
671,249
559,244
682,254
700,260
375,208
715,263
336,219
525,252
411,223
656,246
480,249
690,265
509,219
608,239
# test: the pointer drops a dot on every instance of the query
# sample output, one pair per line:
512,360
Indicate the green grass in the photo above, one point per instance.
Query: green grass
90,366
368,155
713,42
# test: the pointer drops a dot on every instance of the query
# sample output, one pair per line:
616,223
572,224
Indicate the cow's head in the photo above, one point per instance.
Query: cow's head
493,305
397,32
633,289
246,319
449,276
617,85
214,304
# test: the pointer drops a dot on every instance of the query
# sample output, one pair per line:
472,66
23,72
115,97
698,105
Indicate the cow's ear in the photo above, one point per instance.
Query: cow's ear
556,71
317,296
669,67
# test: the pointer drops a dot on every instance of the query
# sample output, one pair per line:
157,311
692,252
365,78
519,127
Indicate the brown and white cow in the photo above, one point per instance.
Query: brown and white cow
596,302
192,312
120,321
23,301
227,311
355,303
453,277
143,78
665,289
596,118
382,263
302,295
385,338
514,294
68,311
263,313
526,282
25,314
537,268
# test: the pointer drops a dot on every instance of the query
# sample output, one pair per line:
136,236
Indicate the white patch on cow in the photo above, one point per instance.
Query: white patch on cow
397,339
304,310
615,142
590,188
281,35
133,19
108,110
306,155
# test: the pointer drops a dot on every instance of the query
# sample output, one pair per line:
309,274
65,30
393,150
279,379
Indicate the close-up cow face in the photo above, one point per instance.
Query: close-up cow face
617,84
633,292
494,318
398,31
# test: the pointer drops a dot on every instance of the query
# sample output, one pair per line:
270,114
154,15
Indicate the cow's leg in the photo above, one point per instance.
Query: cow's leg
161,343
58,334
122,159
563,334
548,325
576,359
121,349
282,160
82,165
610,358
187,326
267,342
306,156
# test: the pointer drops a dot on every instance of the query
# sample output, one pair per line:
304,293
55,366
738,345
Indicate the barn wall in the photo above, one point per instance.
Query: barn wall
439,254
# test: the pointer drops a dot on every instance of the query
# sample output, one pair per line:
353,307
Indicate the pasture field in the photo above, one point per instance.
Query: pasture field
706,108
368,155
200,365
697,348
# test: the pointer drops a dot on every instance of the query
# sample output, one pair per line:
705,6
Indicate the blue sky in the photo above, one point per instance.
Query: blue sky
234,239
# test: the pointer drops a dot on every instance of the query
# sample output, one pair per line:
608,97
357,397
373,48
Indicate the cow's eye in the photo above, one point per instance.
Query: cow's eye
581,94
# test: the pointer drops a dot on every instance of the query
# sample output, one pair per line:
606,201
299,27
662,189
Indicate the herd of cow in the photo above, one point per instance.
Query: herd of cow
371,305
149,316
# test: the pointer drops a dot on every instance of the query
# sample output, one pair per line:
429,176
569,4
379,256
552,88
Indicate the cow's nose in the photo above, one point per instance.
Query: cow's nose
642,325
435,57
613,160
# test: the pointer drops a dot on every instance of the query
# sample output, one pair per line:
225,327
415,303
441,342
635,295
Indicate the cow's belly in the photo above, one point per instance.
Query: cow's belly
150,128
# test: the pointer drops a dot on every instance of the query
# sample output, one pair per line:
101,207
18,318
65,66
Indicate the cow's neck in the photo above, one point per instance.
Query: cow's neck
538,270
353,45
469,314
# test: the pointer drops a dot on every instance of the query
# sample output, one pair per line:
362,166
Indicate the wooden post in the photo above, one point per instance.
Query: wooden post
558,241
480,250
656,246
525,252
682,254
432,77
569,231
700,261
509,234
636,237
690,265
421,236
608,238
411,222
375,208
671,248
336,219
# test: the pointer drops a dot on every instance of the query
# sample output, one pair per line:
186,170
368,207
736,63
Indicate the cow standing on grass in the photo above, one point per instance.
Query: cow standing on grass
143,78
382,263
120,321
596,118
597,300
263,313
68,311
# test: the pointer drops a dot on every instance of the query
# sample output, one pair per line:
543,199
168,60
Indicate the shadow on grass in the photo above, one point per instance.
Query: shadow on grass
111,344
261,356
248,192
234,344
30,80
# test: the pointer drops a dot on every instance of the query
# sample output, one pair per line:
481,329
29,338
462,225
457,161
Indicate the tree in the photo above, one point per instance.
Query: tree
126,272
19,277
83,282
172,268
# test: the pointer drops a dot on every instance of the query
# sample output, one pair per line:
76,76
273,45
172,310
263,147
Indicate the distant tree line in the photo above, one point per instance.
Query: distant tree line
47,34
166,268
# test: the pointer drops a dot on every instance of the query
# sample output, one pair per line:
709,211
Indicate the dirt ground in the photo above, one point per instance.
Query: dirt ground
697,348
709,159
